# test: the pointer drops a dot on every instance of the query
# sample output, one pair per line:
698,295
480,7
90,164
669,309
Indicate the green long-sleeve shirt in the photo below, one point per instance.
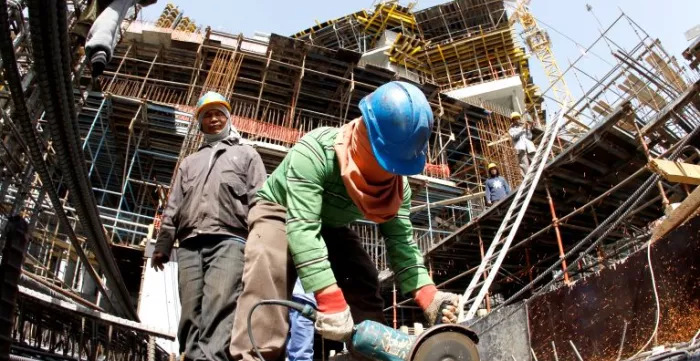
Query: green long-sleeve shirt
309,185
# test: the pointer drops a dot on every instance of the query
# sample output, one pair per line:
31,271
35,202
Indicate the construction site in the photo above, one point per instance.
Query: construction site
594,255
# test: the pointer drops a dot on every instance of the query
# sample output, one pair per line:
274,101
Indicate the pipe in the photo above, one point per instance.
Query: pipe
555,223
394,306
21,358
481,248
447,202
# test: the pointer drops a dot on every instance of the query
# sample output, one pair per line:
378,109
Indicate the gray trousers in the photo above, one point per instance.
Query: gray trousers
210,270
270,274
524,161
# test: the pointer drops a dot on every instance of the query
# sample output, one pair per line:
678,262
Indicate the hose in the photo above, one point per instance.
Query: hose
305,310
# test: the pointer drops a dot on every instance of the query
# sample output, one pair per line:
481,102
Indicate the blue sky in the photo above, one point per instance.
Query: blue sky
570,25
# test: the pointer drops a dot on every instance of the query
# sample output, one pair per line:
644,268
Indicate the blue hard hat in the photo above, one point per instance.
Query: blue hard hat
399,122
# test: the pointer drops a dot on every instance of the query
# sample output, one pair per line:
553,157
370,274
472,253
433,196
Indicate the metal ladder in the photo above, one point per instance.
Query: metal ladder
493,258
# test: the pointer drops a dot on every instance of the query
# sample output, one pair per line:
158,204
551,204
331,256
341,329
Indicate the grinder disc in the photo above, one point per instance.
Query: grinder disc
446,346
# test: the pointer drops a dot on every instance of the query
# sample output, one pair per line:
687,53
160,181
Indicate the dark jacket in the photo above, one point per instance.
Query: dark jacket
212,200
497,188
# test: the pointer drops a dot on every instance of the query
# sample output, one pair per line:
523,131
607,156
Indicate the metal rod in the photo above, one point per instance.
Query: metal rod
622,342
555,223
578,355
395,305
63,292
582,208
447,202
481,249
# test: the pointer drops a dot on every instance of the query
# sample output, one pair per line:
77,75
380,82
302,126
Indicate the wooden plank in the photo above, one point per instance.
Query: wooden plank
672,107
676,172
685,211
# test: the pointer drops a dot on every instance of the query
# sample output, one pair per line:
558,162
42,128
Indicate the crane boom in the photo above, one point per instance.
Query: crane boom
539,43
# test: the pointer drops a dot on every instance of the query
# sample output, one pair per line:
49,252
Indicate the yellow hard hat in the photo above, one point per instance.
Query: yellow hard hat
209,99
514,115
491,165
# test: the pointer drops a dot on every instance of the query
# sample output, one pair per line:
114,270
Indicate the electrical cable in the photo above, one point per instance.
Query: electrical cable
305,310
656,297
572,40
615,218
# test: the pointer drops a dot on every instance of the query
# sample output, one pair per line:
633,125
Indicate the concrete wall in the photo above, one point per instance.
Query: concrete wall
377,57
594,313
504,335
507,93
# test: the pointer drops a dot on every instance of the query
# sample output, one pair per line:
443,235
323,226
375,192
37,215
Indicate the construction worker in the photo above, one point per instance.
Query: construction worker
497,187
207,212
300,346
521,134
299,224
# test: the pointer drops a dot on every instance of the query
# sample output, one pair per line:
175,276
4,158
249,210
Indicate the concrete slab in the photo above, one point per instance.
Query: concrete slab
507,93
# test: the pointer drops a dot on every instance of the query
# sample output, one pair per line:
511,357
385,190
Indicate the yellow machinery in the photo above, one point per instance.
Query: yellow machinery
538,41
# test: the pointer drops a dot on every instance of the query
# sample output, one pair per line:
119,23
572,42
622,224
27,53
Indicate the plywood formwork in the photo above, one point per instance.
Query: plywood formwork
282,89
453,45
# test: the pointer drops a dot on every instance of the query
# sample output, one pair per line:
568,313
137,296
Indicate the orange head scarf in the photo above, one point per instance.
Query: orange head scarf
377,193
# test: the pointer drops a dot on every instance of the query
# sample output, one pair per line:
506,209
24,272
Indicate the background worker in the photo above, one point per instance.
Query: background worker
497,187
207,212
521,134
300,346
330,178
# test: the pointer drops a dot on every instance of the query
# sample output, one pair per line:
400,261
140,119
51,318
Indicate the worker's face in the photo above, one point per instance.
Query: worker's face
213,121
516,120
494,171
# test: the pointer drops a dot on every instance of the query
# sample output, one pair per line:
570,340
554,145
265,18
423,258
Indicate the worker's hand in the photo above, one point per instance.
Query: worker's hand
489,204
333,321
430,301
158,259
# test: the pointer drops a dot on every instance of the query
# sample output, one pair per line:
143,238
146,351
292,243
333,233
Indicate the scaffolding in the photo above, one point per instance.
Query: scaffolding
647,101
136,127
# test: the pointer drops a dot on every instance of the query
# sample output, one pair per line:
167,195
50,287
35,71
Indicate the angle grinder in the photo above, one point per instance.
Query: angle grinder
443,342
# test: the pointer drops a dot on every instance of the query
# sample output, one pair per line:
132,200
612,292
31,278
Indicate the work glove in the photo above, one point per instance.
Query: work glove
158,259
333,321
429,299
